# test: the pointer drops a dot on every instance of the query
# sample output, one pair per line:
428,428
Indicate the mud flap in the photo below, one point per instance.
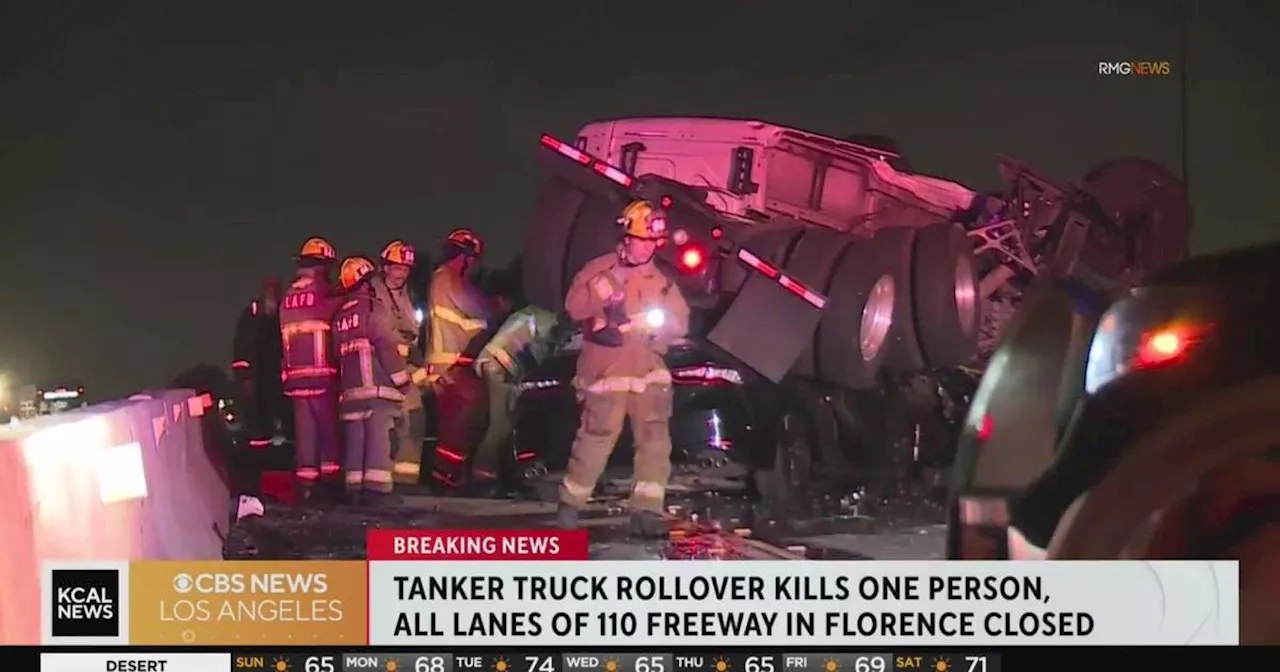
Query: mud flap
766,327
813,263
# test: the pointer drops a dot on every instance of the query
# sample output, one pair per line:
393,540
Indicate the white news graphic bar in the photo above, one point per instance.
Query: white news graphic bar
135,662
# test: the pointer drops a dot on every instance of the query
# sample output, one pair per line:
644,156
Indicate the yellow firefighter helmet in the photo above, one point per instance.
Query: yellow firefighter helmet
399,252
317,249
354,269
641,220
466,241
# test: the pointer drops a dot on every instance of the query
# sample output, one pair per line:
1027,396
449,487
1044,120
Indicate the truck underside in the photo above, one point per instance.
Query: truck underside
863,298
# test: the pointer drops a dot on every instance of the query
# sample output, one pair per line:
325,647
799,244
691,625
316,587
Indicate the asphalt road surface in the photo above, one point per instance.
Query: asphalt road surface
709,515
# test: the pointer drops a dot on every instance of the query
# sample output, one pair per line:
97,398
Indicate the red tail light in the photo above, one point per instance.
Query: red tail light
707,375
985,428
692,259
1161,346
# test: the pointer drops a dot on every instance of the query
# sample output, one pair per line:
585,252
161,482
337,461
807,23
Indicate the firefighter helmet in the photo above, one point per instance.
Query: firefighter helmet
642,220
317,249
399,252
465,241
353,271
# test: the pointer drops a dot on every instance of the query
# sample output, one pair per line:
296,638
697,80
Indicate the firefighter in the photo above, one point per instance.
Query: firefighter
459,319
310,369
390,290
256,365
523,342
375,378
630,313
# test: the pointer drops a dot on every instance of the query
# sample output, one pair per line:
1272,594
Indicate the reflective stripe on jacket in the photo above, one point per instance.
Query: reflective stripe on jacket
638,361
524,340
371,367
459,314
306,316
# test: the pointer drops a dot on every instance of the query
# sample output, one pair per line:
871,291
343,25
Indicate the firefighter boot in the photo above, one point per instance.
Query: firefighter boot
567,517
648,525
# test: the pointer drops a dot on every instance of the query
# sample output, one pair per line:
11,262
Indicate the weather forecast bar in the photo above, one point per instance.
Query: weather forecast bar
691,661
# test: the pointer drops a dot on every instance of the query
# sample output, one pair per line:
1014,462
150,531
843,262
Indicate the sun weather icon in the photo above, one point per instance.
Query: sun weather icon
611,665
392,665
831,665
721,664
501,665
941,665
281,664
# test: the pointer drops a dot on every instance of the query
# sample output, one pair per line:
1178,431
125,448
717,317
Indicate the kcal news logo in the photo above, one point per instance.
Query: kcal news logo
86,602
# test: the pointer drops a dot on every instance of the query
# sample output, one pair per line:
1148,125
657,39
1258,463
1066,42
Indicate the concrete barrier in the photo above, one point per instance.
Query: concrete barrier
121,480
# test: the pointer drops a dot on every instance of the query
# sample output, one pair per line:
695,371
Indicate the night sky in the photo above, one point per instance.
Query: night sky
154,165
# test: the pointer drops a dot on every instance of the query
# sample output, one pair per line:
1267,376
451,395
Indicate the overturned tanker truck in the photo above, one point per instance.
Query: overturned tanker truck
859,298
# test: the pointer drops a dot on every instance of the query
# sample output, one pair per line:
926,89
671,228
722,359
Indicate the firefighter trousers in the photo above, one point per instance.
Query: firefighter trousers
410,427
496,443
367,446
462,409
316,426
603,414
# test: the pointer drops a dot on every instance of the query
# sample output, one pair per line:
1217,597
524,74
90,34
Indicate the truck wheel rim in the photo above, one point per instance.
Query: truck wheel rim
877,316
966,295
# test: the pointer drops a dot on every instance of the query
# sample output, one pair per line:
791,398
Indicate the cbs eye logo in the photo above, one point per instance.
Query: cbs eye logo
208,583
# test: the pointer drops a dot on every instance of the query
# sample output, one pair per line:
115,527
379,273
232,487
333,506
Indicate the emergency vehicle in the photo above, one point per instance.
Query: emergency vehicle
60,397
826,267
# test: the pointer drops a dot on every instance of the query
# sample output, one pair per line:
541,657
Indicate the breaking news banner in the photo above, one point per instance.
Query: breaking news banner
159,603
538,590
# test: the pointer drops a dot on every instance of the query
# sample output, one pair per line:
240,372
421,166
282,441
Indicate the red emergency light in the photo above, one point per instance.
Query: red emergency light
600,167
789,283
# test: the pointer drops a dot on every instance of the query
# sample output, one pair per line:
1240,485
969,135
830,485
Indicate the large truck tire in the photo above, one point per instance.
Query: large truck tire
546,242
853,336
897,245
945,291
